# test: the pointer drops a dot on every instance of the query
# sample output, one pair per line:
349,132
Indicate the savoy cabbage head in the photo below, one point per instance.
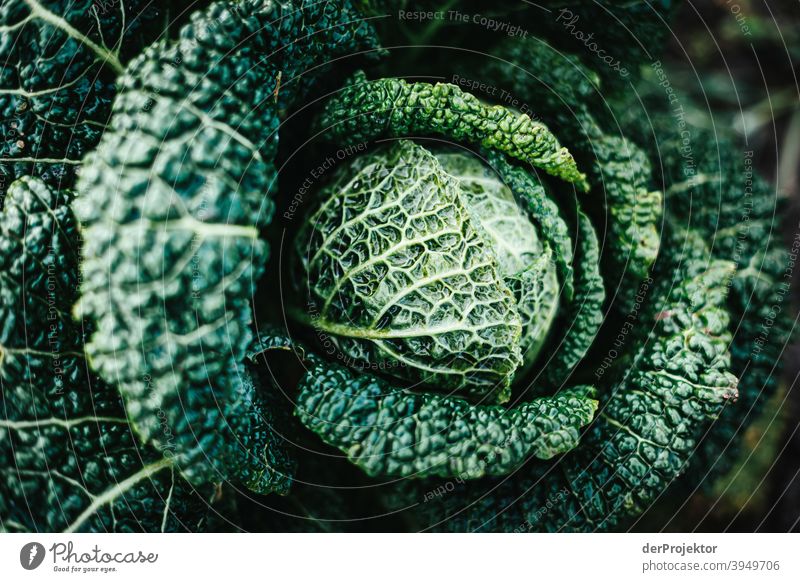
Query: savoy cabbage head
250,258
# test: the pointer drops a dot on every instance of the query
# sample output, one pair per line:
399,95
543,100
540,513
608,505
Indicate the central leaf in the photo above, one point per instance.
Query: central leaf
427,270
525,262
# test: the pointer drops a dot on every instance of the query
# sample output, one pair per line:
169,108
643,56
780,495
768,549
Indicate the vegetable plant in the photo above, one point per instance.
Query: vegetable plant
249,259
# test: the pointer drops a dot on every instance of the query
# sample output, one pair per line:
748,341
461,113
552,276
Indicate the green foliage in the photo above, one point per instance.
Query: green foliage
552,307
712,185
650,423
60,61
365,110
388,431
172,213
391,432
433,276
569,93
70,460
673,383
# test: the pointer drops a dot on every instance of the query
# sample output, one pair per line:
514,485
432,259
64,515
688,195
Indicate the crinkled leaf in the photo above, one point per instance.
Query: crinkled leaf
70,460
649,425
173,201
583,316
718,192
392,432
524,260
399,275
366,110
60,62
566,91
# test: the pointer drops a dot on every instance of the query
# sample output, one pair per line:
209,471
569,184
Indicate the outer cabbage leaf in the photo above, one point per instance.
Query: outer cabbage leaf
584,315
568,93
392,432
173,201
70,460
60,61
710,182
365,110
389,431
649,424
